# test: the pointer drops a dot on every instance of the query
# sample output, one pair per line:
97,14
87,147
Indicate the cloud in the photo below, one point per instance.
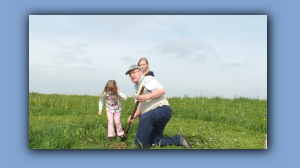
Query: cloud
128,59
230,65
200,58
124,20
87,61
76,47
183,48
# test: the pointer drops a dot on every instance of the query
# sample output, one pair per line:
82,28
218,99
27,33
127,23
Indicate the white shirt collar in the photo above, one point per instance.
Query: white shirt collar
136,85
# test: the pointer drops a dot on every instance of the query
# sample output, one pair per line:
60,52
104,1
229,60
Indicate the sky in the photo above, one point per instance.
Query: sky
190,55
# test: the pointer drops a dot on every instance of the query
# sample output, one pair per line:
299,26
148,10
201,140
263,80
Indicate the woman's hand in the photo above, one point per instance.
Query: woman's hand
99,112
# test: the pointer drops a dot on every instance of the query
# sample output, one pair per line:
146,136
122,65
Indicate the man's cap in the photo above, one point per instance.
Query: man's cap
132,67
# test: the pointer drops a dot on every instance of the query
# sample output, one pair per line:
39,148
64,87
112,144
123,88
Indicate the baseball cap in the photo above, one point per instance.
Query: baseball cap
132,67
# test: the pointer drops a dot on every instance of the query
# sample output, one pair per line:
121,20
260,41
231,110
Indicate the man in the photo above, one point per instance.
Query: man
155,111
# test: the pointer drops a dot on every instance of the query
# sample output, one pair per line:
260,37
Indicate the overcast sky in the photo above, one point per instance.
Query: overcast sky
195,55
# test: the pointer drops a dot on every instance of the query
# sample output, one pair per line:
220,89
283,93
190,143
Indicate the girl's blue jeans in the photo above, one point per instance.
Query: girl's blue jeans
151,127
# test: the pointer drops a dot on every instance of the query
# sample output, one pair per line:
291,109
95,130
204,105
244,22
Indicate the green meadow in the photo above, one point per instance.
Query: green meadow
72,122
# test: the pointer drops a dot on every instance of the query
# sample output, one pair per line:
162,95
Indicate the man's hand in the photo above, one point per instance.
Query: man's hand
137,113
129,119
157,93
142,98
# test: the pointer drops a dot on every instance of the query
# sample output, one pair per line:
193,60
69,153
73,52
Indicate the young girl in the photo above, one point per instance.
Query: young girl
111,94
144,65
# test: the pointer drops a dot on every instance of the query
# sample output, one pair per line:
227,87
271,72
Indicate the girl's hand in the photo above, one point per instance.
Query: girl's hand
117,89
129,120
99,112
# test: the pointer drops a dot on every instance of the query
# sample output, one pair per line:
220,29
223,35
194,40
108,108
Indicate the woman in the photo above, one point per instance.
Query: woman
144,65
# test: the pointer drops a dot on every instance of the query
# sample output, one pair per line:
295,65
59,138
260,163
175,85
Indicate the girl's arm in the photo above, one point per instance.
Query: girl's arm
122,95
101,101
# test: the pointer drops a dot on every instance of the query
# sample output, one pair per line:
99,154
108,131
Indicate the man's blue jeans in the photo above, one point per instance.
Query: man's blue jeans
151,127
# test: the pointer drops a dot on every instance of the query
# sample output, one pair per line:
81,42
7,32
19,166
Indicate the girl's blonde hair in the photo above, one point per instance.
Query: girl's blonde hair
111,86
145,59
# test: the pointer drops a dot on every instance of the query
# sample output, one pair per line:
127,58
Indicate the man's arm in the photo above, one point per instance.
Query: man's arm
157,93
137,113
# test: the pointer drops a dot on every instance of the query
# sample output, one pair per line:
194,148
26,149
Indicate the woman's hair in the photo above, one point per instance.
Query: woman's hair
111,85
146,70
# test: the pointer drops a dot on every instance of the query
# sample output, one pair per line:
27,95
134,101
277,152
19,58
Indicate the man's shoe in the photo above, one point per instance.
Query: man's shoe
184,142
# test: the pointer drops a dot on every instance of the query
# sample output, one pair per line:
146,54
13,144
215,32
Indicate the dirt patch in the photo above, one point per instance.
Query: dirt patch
117,146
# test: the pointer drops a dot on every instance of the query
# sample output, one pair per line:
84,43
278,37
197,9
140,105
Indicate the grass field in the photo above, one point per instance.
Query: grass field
72,122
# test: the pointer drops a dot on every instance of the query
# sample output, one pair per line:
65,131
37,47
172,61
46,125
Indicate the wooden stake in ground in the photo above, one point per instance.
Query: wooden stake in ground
131,117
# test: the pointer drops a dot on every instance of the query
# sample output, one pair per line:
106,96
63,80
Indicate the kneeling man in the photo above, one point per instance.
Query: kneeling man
155,111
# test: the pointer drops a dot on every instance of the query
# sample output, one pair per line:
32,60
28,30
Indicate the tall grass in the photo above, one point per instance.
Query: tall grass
245,112
71,122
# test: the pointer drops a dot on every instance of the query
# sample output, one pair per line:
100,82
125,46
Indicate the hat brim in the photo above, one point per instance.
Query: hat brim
127,72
